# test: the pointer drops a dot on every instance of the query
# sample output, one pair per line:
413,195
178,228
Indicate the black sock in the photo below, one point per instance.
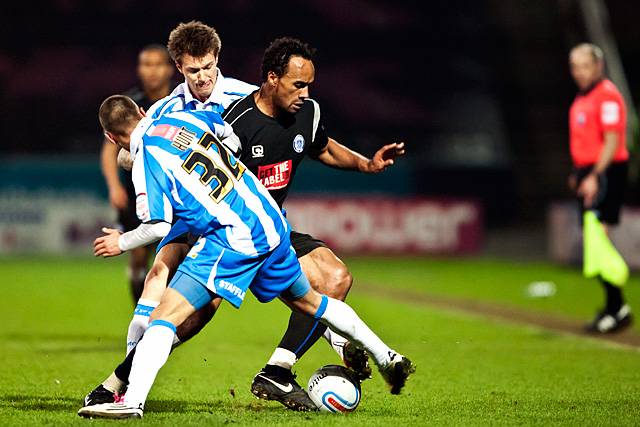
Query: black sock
124,369
613,295
303,332
277,371
137,286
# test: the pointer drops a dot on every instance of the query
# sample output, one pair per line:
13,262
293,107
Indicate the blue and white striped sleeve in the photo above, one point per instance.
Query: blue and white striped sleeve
221,129
152,204
165,105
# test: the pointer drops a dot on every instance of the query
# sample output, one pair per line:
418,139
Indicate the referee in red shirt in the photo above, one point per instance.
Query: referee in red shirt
597,130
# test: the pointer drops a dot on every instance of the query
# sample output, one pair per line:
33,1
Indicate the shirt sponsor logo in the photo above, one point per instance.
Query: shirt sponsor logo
142,207
298,143
165,131
231,288
275,176
257,151
180,137
183,139
610,113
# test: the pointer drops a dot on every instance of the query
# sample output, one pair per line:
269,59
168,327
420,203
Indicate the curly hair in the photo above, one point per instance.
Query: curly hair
193,38
276,57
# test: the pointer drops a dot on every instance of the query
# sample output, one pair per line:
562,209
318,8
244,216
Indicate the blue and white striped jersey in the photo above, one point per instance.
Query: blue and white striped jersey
181,169
224,93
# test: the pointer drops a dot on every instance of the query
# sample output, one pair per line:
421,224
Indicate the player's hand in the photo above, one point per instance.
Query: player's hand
589,189
107,245
385,157
118,197
124,160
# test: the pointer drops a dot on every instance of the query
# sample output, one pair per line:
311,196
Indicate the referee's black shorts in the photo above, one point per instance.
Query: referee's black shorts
611,188
305,243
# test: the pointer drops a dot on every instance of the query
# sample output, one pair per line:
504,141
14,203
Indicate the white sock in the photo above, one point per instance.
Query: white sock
341,318
140,321
176,342
113,384
151,354
283,358
336,341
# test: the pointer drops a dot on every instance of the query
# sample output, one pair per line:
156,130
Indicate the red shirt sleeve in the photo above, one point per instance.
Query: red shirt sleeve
611,113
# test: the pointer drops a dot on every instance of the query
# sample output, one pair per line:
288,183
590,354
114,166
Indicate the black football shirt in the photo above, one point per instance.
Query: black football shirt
272,148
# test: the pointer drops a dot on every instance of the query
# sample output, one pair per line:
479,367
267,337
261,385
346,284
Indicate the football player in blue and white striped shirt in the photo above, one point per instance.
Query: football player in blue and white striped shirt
181,168
195,49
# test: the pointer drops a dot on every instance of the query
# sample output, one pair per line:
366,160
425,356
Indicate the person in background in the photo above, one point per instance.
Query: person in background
597,129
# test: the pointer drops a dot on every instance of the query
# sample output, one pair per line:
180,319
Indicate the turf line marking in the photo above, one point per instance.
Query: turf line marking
537,320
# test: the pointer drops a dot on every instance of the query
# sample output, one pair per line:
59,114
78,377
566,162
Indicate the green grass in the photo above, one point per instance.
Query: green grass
64,322
491,280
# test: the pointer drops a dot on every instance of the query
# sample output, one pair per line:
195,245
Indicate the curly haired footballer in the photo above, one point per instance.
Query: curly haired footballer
276,57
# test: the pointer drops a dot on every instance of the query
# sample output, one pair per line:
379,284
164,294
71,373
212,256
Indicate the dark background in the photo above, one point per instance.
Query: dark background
479,90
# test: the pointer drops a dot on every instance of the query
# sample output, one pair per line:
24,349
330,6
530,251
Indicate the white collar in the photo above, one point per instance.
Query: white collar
135,141
216,97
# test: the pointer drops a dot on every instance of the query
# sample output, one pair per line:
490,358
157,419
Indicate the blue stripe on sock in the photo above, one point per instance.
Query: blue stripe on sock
322,308
315,325
163,323
143,310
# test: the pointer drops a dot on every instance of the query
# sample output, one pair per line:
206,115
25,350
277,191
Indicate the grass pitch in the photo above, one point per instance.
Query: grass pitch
65,322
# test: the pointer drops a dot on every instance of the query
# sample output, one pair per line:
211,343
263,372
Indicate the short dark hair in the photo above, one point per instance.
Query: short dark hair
276,57
193,38
116,112
158,48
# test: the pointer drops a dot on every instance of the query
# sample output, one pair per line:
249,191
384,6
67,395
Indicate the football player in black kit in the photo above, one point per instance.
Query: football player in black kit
155,72
278,126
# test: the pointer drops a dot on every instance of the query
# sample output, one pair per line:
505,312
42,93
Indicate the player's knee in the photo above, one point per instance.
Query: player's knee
339,282
156,281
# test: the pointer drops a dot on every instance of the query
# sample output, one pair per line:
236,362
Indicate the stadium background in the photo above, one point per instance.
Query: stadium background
480,92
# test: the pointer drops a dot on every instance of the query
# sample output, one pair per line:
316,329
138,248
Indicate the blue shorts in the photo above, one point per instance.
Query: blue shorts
199,296
228,274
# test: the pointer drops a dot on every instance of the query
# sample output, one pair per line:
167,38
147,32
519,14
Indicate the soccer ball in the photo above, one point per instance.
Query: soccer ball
334,388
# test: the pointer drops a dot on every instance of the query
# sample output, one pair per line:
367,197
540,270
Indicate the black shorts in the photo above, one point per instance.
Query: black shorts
127,217
304,243
611,188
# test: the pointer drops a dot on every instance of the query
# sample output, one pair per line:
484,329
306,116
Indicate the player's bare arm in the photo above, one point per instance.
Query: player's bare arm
117,193
338,156
589,187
